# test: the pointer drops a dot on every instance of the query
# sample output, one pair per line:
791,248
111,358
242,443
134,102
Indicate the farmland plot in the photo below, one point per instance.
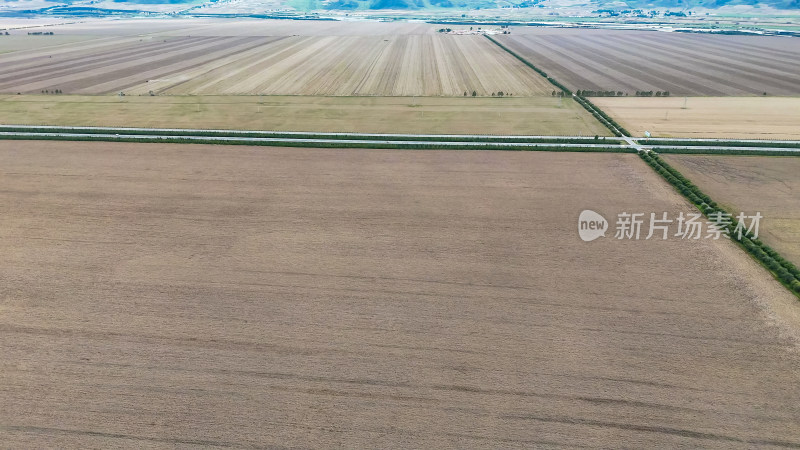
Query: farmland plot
397,65
190,295
681,63
707,117
769,185
111,65
294,65
412,115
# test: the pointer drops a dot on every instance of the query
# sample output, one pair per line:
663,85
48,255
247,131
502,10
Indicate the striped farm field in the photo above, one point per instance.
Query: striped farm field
391,65
680,63
113,64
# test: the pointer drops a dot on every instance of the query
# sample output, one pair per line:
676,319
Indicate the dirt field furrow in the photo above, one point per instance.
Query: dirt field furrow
72,51
640,75
157,70
573,63
751,72
52,67
238,70
661,75
683,64
750,59
104,79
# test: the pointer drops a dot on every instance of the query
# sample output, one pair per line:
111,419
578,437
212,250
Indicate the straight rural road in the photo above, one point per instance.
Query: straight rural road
245,136
256,140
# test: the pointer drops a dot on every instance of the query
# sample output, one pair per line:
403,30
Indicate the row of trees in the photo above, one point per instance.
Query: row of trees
54,91
783,270
601,116
590,93
650,93
494,94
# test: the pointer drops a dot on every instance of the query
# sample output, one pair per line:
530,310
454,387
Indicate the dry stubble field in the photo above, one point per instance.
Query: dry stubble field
681,63
161,295
448,115
748,184
707,117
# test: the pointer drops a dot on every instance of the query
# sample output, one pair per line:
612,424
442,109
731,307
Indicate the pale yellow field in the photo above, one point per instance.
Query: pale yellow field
456,115
710,117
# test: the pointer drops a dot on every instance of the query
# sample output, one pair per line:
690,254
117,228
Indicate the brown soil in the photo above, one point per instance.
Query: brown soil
181,295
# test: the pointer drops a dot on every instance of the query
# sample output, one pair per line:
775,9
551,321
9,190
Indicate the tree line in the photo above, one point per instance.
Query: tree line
591,93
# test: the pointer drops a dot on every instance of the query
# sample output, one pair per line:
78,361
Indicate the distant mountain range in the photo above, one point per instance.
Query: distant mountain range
98,7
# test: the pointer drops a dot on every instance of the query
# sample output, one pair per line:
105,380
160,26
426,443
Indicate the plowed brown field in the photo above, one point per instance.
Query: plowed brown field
681,63
187,295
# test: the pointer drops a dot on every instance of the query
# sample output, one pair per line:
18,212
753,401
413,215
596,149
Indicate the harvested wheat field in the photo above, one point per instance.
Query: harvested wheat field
707,117
750,184
680,63
354,65
163,295
434,115
392,65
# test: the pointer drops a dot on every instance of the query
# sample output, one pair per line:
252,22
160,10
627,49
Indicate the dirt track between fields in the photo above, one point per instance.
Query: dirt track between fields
179,295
